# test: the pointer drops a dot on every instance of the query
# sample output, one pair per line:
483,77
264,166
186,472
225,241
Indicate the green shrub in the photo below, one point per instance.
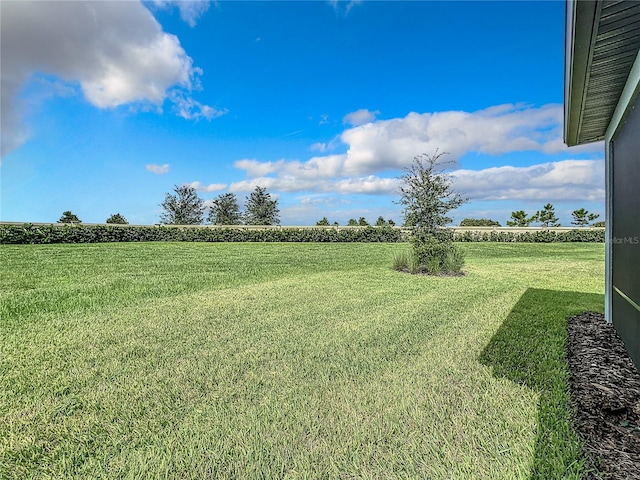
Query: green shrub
454,261
406,261
401,261
39,234
432,266
414,264
79,233
479,222
435,251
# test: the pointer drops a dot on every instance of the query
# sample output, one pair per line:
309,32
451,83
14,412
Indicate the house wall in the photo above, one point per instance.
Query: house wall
624,159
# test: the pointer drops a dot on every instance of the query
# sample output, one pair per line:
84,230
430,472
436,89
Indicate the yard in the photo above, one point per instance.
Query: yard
283,360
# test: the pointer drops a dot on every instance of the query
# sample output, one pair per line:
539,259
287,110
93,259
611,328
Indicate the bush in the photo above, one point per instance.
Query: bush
454,261
435,251
117,218
401,261
536,236
479,222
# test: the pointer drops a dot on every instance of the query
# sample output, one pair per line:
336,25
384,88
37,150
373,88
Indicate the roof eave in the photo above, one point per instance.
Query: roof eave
581,21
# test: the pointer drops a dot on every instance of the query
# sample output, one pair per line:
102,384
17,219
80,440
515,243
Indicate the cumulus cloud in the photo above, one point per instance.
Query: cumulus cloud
158,169
552,181
212,187
115,51
360,117
369,185
392,144
316,167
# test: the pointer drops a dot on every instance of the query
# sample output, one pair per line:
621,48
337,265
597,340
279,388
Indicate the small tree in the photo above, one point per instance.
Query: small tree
184,207
428,196
381,222
547,217
582,217
362,222
391,223
261,209
117,218
599,224
352,222
519,218
225,210
68,217
322,223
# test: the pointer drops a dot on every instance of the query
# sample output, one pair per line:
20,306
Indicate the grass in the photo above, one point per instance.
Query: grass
288,361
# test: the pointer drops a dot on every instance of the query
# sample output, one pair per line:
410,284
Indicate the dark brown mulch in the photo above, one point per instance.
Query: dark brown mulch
605,388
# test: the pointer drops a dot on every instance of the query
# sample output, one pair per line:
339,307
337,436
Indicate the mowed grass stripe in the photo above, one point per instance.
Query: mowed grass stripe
363,373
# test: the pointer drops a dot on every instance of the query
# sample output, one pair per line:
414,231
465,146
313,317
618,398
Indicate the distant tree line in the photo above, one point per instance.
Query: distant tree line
185,207
546,217
361,222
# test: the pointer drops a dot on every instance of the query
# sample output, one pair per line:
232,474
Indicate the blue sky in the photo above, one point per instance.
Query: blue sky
106,106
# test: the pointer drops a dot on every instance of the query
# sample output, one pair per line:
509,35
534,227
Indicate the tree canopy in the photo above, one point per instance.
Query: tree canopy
547,216
225,210
184,207
69,217
427,193
582,217
519,218
118,219
261,209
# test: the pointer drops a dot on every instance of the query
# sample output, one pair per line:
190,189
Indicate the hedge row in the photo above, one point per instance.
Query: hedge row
39,234
538,236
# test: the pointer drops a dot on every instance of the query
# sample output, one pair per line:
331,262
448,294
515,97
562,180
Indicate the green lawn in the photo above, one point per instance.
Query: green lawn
193,360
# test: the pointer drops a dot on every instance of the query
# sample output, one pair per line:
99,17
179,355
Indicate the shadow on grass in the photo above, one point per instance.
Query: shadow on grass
529,349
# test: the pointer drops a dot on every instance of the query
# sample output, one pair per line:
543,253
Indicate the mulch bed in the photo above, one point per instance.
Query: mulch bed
605,389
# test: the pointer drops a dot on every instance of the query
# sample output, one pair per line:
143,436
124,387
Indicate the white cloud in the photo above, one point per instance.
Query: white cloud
190,10
360,117
116,51
316,167
392,144
158,169
563,180
190,109
212,187
369,185
322,199
570,180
